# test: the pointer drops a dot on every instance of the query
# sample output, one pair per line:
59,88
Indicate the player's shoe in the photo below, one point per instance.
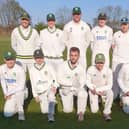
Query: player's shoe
21,116
80,116
107,117
51,118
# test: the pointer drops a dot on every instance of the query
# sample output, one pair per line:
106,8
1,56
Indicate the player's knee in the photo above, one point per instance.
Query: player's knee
126,108
67,108
110,94
94,110
8,114
82,94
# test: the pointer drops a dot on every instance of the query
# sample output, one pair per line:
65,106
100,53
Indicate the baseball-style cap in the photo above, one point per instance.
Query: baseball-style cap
102,16
124,20
99,58
51,17
9,56
76,10
38,54
25,16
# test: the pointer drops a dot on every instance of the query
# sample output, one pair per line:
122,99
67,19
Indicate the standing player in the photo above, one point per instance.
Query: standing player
24,40
44,84
71,77
99,81
51,45
102,39
123,80
77,34
13,85
120,52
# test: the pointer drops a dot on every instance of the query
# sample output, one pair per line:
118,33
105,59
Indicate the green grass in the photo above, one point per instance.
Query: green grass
36,120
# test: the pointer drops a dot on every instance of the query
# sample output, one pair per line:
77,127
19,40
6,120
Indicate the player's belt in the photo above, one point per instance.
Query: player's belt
24,57
64,86
51,57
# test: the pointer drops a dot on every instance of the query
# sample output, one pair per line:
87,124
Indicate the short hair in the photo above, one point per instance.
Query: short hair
74,49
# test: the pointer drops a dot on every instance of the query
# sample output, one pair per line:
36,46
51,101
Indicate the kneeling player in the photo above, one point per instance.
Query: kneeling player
71,77
13,85
123,80
44,84
99,82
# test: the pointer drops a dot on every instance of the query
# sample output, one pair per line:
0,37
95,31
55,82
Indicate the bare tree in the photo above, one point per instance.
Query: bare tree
63,15
114,14
10,10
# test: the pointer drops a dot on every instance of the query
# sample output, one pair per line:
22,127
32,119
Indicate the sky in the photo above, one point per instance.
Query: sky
38,9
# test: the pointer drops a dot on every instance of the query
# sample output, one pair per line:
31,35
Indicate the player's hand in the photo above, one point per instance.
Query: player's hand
53,89
7,97
127,93
93,92
113,46
101,93
37,99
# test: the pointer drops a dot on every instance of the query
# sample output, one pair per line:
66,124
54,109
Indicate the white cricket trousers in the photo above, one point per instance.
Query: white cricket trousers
25,63
125,101
14,104
45,99
94,103
67,100
54,63
116,66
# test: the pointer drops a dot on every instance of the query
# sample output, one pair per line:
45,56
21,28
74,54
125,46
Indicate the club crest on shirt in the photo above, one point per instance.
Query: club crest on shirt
82,28
70,29
14,74
94,75
45,72
104,76
76,74
97,32
68,77
57,34
105,32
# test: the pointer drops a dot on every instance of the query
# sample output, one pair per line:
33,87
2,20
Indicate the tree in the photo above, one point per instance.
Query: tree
63,15
10,11
114,14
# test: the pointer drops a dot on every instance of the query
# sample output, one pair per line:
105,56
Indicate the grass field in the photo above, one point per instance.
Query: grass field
36,120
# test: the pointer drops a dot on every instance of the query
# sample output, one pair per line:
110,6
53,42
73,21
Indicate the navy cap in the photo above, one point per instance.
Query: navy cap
38,54
51,17
102,16
76,10
124,20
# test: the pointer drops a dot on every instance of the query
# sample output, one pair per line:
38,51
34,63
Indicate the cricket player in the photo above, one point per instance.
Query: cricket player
44,84
24,40
99,81
71,77
50,42
123,80
13,85
102,39
77,34
120,52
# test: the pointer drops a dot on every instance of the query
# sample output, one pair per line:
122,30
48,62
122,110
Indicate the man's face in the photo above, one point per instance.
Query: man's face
124,27
25,23
76,17
99,66
51,24
39,60
101,22
74,57
10,63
